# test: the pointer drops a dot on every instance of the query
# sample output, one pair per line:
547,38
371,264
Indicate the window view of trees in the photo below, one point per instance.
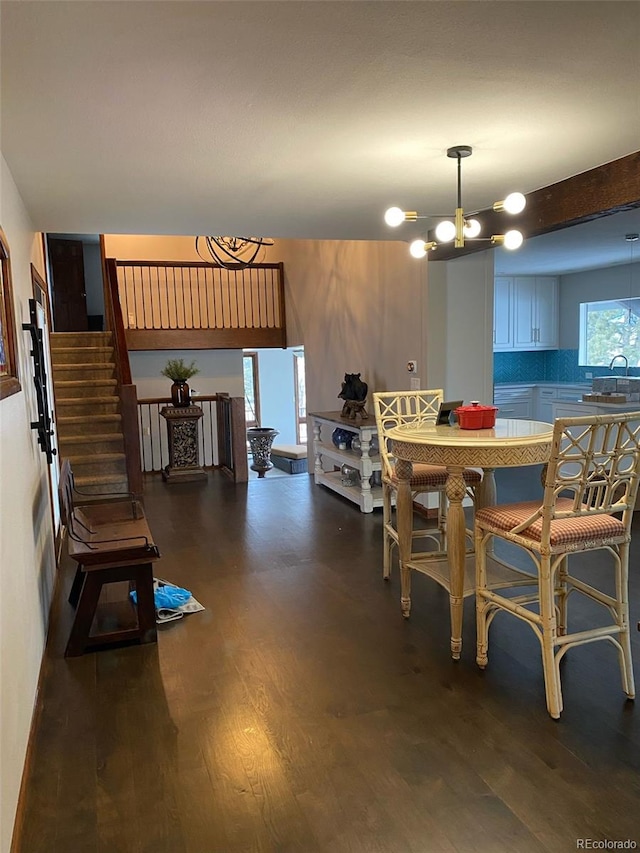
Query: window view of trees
607,329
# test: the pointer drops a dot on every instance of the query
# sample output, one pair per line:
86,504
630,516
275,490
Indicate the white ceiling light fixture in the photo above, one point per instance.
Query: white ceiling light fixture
233,252
458,226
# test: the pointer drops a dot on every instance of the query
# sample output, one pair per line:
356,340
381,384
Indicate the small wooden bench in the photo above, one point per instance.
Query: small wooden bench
291,458
112,543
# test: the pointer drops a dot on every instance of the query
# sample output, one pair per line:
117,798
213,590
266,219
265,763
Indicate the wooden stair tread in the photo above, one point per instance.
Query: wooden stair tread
105,348
68,384
76,401
61,336
105,479
82,419
96,457
91,437
84,365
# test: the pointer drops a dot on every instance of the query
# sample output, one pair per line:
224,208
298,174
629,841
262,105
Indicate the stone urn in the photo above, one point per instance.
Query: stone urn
260,441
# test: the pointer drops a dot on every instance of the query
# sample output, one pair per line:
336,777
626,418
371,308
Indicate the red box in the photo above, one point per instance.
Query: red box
476,416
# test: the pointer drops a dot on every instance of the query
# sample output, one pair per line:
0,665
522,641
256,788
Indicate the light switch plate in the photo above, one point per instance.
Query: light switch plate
415,383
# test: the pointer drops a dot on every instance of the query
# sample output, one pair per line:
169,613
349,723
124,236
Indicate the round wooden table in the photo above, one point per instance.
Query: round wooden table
511,443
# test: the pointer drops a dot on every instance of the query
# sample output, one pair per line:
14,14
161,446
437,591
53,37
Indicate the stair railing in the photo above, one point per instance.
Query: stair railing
128,394
221,434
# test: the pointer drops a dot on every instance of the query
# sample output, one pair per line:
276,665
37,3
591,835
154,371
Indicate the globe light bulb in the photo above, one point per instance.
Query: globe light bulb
418,249
513,240
515,203
471,228
394,217
446,231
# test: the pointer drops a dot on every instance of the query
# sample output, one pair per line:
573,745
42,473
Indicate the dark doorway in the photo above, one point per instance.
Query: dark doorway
66,262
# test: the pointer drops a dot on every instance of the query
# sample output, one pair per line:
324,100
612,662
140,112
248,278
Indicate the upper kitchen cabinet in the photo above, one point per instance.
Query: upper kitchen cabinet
503,314
525,313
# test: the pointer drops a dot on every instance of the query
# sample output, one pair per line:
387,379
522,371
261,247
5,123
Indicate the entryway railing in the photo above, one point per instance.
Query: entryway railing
221,434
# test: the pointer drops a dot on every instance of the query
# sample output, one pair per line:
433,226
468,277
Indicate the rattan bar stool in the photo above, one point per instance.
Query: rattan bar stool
590,489
392,409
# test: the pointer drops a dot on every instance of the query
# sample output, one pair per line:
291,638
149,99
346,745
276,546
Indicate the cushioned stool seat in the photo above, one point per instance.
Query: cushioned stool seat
291,458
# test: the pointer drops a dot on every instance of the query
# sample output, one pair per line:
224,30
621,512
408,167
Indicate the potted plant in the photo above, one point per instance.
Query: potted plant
179,372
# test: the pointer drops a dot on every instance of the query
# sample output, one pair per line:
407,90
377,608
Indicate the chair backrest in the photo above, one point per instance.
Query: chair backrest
393,408
76,528
595,462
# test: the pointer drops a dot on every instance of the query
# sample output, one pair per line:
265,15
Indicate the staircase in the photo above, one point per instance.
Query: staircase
88,410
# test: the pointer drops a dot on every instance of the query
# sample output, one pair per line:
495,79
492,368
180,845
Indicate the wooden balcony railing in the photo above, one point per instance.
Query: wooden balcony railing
200,306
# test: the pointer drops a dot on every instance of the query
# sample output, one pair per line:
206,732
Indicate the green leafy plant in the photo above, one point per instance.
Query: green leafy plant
177,370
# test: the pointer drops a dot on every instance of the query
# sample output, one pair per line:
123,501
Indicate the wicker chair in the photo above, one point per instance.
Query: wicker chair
400,407
590,488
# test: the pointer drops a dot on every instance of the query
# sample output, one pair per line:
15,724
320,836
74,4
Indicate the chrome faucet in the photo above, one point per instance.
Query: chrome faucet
626,363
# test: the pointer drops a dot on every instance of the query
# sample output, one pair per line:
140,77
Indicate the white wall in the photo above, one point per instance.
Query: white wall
592,286
460,321
220,371
27,565
357,307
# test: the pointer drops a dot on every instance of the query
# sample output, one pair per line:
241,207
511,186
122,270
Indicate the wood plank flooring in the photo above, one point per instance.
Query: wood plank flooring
300,713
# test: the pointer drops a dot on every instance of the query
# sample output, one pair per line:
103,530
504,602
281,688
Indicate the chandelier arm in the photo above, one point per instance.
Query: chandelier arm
198,252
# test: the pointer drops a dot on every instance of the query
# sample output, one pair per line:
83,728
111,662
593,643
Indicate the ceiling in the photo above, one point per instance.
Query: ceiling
304,119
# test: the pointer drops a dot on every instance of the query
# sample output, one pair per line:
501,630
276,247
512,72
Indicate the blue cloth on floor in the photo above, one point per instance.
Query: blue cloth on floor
166,596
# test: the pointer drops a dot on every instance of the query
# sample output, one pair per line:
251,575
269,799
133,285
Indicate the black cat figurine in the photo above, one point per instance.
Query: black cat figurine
354,394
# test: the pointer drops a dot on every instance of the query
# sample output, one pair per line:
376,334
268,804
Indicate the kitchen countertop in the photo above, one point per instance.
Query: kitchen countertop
543,382
617,407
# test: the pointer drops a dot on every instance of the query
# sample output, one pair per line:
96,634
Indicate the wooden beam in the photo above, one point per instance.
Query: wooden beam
150,339
608,189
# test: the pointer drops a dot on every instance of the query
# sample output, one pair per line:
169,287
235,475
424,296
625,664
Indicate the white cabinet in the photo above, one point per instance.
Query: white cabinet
514,401
548,396
503,314
543,404
525,313
365,460
535,307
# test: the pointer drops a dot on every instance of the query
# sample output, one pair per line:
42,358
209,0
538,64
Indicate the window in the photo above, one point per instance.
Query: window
301,397
9,383
251,389
607,329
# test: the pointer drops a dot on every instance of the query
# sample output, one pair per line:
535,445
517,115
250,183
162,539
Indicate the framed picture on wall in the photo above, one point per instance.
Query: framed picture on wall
9,383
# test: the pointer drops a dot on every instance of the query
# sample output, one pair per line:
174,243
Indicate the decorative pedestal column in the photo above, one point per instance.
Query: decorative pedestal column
182,432
260,441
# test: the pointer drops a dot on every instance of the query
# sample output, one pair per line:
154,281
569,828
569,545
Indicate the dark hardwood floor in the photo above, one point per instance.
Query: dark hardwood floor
299,712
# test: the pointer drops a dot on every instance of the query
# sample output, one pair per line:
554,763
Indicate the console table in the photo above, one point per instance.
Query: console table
182,433
364,460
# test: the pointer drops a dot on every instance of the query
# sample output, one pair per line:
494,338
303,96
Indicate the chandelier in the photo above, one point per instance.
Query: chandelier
233,252
458,226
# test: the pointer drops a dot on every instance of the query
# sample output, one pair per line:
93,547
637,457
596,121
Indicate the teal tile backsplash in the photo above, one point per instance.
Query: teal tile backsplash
546,366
